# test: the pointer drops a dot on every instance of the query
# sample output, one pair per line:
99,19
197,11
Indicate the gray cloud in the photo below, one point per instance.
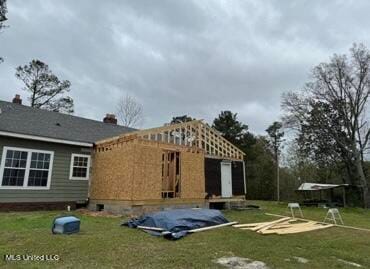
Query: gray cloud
180,57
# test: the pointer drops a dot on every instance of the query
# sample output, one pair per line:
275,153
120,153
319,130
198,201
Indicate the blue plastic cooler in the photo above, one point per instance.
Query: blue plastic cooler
66,225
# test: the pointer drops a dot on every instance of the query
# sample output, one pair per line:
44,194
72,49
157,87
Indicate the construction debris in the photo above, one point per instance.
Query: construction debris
284,225
350,263
212,227
150,228
336,225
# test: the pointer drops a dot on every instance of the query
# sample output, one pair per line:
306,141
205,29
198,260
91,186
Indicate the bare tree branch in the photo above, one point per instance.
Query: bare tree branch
3,18
129,111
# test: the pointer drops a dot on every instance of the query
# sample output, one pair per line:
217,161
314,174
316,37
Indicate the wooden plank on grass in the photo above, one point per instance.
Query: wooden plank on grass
267,225
293,225
354,228
212,227
150,228
304,229
341,226
249,224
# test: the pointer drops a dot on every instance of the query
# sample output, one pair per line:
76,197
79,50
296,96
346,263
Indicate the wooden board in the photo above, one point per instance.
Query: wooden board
268,225
300,229
284,225
336,225
212,227
249,224
150,228
287,226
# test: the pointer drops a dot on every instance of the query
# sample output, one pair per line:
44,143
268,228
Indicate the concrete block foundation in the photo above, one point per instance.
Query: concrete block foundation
138,208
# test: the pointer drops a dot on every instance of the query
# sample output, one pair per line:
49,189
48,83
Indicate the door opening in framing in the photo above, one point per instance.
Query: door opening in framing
171,174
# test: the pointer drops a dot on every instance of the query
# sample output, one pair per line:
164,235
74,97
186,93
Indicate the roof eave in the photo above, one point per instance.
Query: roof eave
46,139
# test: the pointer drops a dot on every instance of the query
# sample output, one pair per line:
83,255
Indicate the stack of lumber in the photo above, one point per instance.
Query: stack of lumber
284,225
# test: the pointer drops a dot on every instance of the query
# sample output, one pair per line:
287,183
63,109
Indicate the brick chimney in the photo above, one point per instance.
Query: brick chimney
110,118
17,99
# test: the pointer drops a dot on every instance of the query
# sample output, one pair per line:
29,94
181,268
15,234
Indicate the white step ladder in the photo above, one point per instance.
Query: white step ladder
333,215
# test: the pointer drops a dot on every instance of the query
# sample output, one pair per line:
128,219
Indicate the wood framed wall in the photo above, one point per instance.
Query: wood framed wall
129,168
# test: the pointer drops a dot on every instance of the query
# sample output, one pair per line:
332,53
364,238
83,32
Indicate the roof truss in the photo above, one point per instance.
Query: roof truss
194,133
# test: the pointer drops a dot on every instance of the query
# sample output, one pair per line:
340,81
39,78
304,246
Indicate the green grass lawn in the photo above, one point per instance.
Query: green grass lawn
102,243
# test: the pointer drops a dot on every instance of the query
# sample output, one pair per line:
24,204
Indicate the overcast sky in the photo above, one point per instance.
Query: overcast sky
180,56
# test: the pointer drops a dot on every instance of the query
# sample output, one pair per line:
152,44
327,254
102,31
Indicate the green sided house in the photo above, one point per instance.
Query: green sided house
45,156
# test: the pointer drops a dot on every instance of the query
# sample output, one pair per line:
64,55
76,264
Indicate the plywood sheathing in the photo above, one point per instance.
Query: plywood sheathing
192,175
130,168
194,133
113,172
147,172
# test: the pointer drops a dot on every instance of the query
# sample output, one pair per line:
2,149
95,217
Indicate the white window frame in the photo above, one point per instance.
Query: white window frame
28,168
71,177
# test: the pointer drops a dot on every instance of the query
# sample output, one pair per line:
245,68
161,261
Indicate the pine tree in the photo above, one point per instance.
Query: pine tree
45,88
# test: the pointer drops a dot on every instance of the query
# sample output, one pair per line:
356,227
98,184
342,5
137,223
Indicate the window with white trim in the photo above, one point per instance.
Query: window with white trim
25,168
80,166
39,170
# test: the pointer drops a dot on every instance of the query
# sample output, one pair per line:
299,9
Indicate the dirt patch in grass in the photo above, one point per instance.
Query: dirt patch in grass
241,263
90,213
301,259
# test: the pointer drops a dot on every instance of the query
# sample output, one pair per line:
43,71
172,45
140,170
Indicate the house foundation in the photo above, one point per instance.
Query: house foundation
32,206
141,207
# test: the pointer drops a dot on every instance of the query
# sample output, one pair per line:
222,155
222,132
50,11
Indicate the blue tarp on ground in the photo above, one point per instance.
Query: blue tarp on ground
178,221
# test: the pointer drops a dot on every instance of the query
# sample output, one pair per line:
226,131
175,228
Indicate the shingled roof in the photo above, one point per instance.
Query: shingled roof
21,119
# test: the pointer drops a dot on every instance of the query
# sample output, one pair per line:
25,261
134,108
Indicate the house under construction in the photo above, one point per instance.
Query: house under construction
178,165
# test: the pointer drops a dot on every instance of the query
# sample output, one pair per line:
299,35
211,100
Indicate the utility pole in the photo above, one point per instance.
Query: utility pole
277,177
276,149
276,134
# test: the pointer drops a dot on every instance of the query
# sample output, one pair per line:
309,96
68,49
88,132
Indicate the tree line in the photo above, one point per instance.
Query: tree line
328,122
329,132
